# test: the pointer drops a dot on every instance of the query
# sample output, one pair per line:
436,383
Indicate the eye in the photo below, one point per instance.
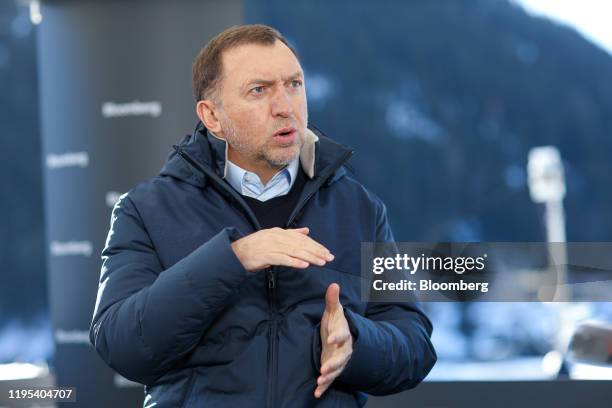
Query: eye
257,90
296,83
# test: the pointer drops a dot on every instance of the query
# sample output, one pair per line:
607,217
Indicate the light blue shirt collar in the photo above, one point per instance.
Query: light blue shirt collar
249,184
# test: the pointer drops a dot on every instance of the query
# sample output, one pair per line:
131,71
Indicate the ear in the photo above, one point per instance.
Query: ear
207,112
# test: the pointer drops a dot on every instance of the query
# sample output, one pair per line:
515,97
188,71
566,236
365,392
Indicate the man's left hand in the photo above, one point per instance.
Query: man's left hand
336,340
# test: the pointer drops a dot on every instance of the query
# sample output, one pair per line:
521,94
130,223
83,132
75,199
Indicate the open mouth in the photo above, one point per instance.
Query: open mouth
285,136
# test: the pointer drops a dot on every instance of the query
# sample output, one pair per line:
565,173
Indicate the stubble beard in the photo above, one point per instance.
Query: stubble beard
260,154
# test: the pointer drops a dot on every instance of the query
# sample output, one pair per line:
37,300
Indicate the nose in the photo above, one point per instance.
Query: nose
281,104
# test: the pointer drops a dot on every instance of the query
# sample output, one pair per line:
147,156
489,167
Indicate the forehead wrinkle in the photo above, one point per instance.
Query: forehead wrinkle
235,60
257,78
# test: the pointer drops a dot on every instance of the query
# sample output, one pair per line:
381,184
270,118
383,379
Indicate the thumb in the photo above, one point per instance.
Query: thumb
332,297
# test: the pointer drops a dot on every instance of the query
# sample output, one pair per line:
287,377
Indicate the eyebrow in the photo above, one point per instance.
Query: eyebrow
267,82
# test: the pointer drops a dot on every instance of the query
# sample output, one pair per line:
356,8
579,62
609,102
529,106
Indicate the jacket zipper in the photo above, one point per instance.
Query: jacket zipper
272,279
273,332
271,276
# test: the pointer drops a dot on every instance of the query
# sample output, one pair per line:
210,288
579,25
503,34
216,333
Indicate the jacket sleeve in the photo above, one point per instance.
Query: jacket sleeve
392,350
146,318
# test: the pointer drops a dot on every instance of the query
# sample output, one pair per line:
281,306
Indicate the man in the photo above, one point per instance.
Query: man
233,278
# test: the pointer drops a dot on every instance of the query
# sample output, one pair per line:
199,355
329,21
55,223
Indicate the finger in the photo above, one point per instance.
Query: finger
308,242
329,378
319,251
332,297
305,241
304,254
293,238
338,337
324,255
333,365
341,357
309,253
323,385
301,230
278,258
323,381
320,390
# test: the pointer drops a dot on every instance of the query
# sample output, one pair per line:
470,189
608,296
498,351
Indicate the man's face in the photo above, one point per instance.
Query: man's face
263,113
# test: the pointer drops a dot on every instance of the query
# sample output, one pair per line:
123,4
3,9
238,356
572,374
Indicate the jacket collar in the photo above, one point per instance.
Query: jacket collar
220,149
317,154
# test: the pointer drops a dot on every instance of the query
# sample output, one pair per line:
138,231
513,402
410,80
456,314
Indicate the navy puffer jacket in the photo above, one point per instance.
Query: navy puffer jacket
177,312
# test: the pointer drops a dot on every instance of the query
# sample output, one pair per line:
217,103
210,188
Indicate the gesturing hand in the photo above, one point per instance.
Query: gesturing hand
277,246
336,340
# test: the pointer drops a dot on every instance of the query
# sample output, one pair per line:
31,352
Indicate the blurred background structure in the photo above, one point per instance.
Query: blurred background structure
442,100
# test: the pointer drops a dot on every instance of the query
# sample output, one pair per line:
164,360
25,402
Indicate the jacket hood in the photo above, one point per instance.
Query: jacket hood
317,156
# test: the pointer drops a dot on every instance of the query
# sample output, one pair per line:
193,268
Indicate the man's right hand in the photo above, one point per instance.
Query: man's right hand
277,246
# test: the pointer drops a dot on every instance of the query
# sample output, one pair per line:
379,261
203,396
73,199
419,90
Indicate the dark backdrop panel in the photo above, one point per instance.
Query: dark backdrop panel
115,83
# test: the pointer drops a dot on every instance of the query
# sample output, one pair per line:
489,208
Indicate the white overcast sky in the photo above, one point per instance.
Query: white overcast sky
591,18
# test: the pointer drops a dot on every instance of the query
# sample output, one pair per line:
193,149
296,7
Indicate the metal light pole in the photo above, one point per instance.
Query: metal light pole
546,180
547,186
